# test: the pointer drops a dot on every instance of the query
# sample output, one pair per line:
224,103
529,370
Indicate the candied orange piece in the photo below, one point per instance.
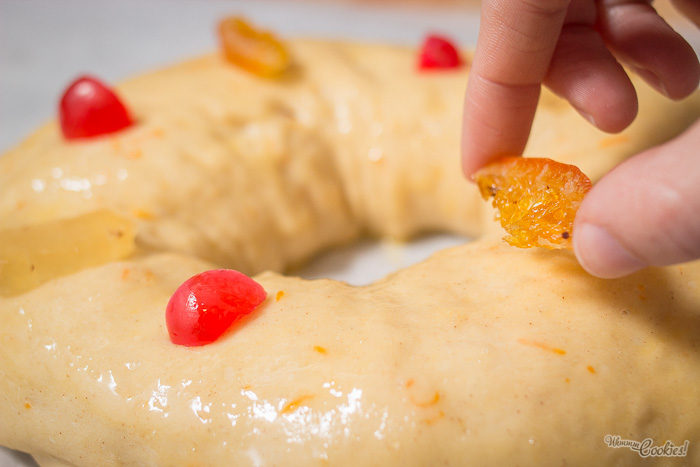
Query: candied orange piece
258,52
536,199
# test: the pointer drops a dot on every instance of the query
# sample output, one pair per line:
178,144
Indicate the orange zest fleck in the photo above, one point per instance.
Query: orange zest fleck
642,290
613,140
435,399
148,276
542,346
430,421
258,52
134,154
291,406
536,199
321,350
279,295
591,369
143,214
27,405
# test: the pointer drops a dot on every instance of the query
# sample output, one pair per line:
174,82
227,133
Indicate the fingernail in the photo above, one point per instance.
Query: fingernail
601,254
652,79
587,116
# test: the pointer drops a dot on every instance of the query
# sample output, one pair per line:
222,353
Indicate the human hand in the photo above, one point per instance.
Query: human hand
645,212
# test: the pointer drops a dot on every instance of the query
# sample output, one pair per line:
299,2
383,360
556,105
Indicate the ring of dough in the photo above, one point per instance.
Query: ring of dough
483,355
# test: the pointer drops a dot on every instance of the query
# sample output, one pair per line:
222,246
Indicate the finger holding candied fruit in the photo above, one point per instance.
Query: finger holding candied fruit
253,50
536,199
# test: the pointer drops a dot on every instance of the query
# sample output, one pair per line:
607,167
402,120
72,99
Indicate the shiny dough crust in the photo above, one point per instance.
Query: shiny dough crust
483,354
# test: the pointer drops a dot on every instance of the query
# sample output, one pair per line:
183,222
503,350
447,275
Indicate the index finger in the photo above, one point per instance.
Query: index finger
516,42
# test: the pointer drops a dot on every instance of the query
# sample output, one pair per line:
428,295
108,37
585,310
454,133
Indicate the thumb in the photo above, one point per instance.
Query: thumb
645,212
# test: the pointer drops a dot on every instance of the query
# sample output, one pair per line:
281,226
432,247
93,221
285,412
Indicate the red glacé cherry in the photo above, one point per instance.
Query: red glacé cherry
438,52
89,108
207,304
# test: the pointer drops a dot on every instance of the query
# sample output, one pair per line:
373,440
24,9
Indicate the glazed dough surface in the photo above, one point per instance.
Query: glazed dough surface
440,363
483,354
256,174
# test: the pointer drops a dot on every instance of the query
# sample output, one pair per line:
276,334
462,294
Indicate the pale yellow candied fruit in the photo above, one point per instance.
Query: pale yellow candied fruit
35,254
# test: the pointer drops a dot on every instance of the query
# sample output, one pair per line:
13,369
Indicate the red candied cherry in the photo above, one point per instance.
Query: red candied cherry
207,304
438,52
89,108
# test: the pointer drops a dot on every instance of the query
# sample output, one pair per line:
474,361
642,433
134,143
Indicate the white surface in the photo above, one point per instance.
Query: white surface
45,44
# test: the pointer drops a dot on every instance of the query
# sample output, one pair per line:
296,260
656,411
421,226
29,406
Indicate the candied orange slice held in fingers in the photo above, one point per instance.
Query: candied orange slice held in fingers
253,50
536,199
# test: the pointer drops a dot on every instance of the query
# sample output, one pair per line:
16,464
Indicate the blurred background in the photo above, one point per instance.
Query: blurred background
45,44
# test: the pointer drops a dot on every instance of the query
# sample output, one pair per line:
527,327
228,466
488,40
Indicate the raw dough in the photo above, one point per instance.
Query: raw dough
484,354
